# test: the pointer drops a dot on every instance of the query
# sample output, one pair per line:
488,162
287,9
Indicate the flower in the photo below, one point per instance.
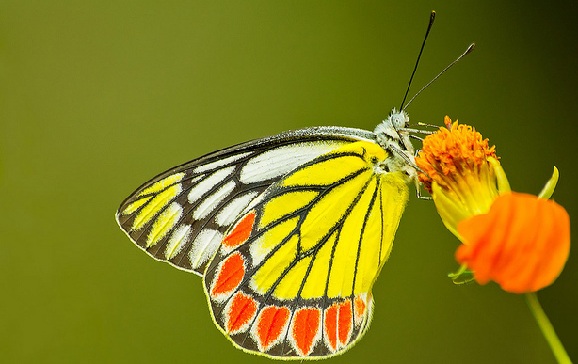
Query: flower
518,240
522,243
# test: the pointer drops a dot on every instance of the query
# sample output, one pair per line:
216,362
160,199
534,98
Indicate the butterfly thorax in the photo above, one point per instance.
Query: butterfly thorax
393,136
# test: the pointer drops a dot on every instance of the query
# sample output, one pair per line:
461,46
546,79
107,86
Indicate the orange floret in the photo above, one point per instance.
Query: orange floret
451,151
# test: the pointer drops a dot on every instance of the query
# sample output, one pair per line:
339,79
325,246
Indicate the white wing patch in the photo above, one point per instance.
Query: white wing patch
212,201
177,241
220,163
204,246
201,188
231,211
278,162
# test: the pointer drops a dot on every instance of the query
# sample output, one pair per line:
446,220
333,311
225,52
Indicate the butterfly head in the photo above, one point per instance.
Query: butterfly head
392,134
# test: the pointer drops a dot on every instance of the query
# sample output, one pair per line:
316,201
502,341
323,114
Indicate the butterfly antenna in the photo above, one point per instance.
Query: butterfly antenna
468,51
432,17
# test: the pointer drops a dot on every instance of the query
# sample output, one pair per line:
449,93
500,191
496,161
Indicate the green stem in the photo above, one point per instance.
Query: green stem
547,329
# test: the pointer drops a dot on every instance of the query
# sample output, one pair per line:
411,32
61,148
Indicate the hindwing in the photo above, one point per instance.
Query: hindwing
292,277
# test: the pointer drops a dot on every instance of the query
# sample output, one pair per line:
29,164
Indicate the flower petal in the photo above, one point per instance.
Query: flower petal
522,243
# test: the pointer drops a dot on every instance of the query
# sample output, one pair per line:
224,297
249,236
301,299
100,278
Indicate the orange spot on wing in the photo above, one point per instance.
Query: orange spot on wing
331,327
338,324
240,232
230,275
345,324
241,312
270,325
360,308
305,329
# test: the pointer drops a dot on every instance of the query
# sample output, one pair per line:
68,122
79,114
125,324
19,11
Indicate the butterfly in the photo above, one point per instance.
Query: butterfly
288,232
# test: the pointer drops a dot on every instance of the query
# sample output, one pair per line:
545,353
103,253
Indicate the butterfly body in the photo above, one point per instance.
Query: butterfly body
289,232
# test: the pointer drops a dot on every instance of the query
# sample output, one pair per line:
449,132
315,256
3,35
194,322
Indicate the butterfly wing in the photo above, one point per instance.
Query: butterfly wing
181,215
292,277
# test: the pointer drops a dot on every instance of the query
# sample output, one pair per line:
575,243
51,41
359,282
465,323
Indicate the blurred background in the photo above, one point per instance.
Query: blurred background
96,97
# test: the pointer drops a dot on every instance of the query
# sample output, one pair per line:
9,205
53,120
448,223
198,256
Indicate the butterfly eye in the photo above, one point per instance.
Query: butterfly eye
374,160
399,120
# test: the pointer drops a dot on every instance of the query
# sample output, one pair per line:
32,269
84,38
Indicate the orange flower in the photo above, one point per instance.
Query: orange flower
520,241
452,152
461,171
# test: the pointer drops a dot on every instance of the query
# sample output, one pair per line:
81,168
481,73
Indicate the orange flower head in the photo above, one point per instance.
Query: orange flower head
450,152
522,243
519,241
460,170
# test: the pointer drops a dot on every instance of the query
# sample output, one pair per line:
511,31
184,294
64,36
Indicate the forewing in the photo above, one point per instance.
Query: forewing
293,276
181,215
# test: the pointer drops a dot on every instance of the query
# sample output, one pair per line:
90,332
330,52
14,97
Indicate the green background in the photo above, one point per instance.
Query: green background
97,97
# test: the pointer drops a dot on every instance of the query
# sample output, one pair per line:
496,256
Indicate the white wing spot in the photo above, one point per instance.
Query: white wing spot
220,163
280,161
204,246
205,185
210,202
229,213
177,241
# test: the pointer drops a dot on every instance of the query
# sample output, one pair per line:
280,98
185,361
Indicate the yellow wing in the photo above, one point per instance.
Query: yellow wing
292,278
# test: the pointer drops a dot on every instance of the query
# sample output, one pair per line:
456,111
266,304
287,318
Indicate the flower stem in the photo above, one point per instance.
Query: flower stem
547,329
